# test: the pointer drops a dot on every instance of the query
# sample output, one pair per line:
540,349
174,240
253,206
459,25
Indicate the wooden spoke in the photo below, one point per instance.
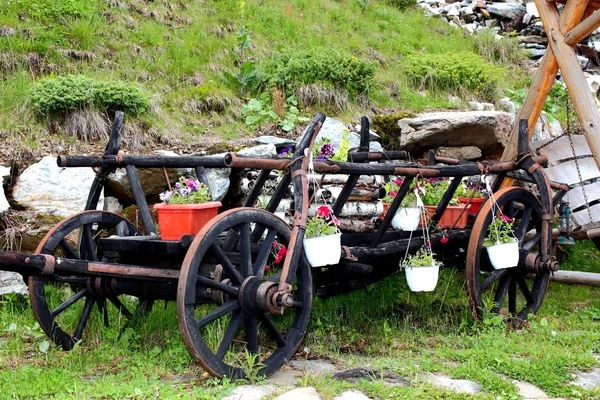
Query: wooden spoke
69,302
251,325
232,329
272,329
246,262
120,306
512,297
263,254
226,308
501,292
70,252
87,309
521,230
231,271
493,277
211,283
525,290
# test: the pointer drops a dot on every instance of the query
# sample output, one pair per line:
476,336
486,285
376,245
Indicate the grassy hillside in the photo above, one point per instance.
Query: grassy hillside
186,70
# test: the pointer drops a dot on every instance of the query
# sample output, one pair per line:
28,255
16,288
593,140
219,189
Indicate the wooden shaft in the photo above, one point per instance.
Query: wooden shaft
542,81
583,30
576,278
582,98
140,198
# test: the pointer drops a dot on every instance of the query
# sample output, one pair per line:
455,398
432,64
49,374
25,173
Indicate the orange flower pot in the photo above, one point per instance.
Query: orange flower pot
476,203
450,216
386,207
176,220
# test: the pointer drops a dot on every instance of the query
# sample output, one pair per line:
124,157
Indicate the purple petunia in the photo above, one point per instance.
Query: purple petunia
327,150
286,150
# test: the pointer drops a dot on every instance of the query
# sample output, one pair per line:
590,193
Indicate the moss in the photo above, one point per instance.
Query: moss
387,127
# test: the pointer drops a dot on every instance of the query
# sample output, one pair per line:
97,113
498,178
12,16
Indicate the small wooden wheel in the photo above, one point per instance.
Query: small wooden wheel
238,328
516,291
63,304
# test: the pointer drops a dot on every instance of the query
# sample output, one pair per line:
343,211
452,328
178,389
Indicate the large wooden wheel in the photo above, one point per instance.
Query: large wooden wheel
517,291
63,305
238,328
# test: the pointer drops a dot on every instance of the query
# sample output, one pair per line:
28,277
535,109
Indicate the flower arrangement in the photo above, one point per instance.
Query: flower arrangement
433,190
187,191
422,258
324,149
500,231
468,189
391,190
278,253
324,223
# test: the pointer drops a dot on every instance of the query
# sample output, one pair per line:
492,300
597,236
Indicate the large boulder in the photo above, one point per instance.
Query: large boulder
48,189
333,130
487,130
11,282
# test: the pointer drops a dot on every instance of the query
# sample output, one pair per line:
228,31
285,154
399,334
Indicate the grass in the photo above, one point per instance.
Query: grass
170,48
384,327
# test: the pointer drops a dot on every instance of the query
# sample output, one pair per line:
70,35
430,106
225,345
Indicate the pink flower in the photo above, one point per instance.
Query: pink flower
267,268
280,254
334,221
324,211
444,240
392,193
398,182
506,219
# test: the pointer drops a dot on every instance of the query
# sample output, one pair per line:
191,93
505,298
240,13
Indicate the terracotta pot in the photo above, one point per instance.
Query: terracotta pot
176,220
450,216
323,250
386,207
476,203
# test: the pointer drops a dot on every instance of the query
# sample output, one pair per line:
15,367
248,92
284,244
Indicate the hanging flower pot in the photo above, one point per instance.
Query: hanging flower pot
421,270
323,250
176,220
422,279
504,255
322,241
407,219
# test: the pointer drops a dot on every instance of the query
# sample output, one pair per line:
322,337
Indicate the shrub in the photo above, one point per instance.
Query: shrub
291,69
73,92
458,72
53,9
504,51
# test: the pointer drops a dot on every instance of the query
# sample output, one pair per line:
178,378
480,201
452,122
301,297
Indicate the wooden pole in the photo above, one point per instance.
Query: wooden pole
543,79
583,30
582,98
576,278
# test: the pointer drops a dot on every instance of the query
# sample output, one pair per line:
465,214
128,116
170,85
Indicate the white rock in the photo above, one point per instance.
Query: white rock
112,204
273,140
352,395
264,150
593,82
532,9
467,11
333,130
4,206
46,188
470,27
4,171
457,385
588,380
529,391
288,378
507,105
218,182
307,393
249,392
453,12
312,365
11,282
375,146
583,61
475,105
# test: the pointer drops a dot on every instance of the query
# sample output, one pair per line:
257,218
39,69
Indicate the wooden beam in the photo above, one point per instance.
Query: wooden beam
582,98
543,80
576,278
583,30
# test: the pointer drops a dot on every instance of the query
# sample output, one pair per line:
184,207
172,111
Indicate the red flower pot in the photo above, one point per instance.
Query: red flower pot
176,220
476,203
450,216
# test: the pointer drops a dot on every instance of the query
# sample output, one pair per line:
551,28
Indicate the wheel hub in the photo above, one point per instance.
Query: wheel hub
256,294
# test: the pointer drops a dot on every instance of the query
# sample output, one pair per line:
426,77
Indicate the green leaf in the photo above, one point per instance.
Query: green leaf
254,105
252,119
294,110
44,346
543,322
273,115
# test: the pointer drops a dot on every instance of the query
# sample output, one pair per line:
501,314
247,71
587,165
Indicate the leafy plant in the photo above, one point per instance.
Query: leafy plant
422,258
341,154
467,190
290,69
433,191
251,366
500,231
187,191
324,150
260,111
72,92
457,72
324,223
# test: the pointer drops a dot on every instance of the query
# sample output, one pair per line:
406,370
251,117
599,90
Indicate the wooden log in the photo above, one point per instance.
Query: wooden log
354,209
342,179
582,98
583,30
542,81
576,278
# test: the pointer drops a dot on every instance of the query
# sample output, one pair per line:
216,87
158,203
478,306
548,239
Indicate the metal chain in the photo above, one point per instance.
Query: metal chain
570,134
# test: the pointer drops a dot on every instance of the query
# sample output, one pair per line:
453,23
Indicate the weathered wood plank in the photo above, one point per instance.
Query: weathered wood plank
560,150
575,195
567,172
582,217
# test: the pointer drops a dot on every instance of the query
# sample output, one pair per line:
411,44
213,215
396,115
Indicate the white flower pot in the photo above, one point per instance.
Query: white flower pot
323,250
504,255
422,279
407,219
280,214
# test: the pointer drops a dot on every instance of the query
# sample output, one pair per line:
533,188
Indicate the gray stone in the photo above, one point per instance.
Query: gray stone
288,378
507,105
453,12
46,188
555,127
317,366
535,53
112,204
527,18
467,10
529,391
487,130
588,380
277,141
4,172
583,61
250,392
372,135
333,130
264,150
352,395
218,182
11,282
4,206
506,10
463,153
375,146
355,375
593,82
457,385
532,9
475,105
306,393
